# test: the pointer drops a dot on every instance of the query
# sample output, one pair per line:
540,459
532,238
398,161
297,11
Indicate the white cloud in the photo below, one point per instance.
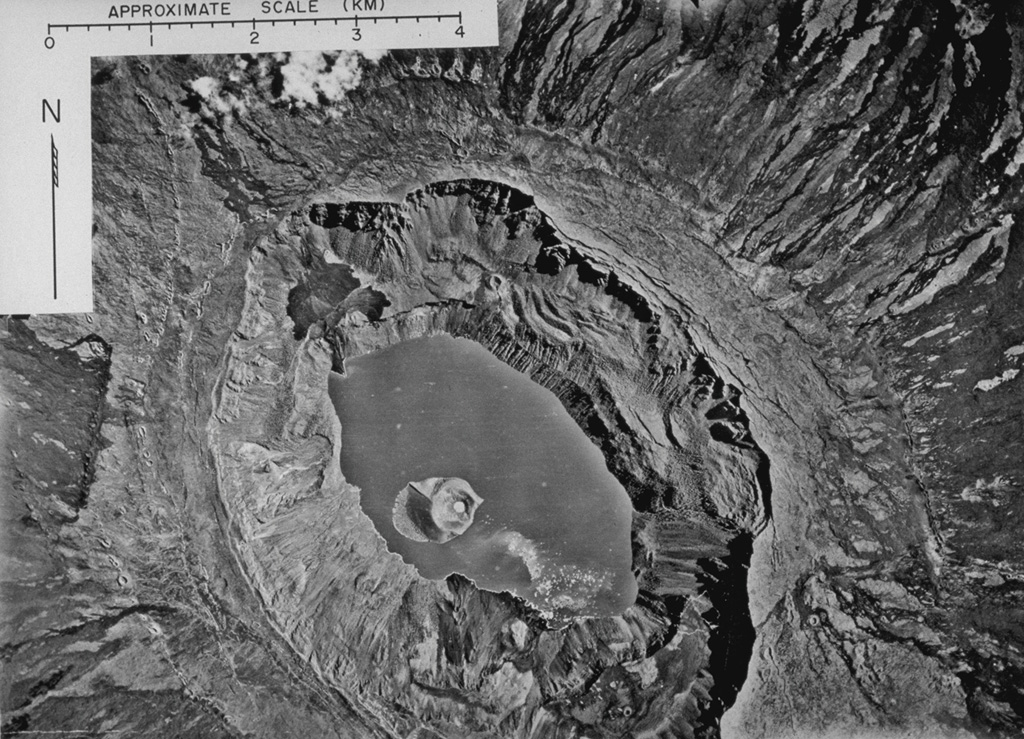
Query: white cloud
307,75
204,86
216,102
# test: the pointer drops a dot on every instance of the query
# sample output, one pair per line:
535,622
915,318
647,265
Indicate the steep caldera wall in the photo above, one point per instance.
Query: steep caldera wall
478,259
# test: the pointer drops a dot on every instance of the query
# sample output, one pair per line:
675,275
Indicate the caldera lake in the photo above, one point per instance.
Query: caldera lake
553,524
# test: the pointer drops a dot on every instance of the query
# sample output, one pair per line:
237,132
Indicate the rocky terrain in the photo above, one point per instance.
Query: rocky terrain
768,255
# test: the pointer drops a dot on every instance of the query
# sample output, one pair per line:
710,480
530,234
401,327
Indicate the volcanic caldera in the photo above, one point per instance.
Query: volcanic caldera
767,257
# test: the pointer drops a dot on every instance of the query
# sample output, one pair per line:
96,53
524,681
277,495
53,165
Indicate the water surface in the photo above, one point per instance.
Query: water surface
554,525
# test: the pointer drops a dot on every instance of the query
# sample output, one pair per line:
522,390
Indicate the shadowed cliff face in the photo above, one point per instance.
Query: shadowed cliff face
768,256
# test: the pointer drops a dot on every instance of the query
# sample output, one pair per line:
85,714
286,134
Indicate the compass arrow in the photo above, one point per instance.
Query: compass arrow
54,184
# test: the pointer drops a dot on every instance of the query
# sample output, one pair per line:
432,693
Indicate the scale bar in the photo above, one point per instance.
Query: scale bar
193,23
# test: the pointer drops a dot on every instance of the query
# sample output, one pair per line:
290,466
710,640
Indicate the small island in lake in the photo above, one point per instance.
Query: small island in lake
436,509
